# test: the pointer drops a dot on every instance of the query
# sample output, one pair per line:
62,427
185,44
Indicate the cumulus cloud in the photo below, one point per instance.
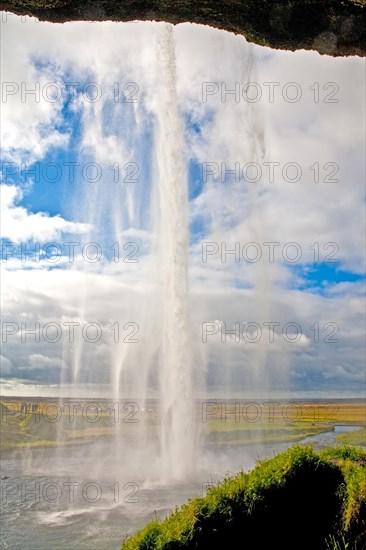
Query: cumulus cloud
19,225
342,373
39,361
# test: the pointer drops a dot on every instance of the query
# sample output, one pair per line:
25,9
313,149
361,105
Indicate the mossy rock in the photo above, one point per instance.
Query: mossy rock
42,4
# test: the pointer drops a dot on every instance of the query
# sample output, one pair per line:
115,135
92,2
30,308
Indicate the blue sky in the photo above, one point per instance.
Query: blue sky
319,276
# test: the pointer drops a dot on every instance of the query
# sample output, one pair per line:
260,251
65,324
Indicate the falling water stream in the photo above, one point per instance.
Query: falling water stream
153,210
166,316
177,424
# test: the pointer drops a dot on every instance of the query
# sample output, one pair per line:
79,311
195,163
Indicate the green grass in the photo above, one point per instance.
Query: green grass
319,497
353,438
352,462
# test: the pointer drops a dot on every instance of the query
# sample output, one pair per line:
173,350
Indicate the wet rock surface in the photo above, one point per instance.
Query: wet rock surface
332,27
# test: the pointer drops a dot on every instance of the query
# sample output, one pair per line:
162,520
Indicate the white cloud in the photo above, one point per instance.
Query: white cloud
19,225
341,373
39,361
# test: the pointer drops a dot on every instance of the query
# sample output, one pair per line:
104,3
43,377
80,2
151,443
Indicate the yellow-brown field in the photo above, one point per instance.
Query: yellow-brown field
41,422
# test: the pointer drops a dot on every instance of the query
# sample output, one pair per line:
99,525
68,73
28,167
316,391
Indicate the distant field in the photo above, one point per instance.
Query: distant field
275,422
30,423
41,422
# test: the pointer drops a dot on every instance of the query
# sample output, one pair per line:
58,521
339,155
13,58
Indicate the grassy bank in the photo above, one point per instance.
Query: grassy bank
353,438
231,433
297,500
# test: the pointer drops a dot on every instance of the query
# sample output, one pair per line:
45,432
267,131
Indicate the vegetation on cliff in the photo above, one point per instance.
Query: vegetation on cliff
299,499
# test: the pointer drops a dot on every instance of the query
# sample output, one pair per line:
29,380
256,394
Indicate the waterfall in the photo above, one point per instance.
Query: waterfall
157,299
168,359
177,426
